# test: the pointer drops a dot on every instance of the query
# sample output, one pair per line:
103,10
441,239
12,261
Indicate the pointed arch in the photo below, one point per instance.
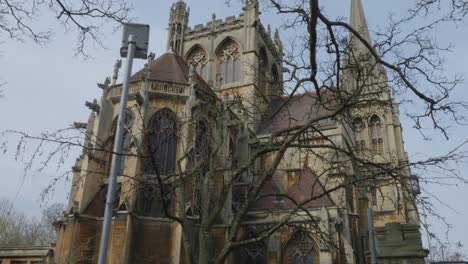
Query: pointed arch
198,57
263,71
228,61
360,141
255,253
300,249
126,141
162,143
375,130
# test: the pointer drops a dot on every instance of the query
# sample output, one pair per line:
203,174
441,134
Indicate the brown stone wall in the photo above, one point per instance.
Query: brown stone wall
118,238
152,242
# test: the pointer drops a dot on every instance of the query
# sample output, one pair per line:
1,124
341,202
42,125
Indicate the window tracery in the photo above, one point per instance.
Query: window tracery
360,141
126,140
229,63
199,60
254,253
299,250
375,127
162,143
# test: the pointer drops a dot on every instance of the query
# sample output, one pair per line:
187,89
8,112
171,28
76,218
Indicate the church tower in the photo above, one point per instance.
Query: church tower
237,56
378,138
178,21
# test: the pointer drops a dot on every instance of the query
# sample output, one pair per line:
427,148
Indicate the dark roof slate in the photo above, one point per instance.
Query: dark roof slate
288,112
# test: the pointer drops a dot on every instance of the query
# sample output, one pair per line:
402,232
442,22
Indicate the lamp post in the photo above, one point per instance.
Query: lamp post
134,45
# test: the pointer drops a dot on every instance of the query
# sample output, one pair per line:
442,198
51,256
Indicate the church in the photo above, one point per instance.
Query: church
201,178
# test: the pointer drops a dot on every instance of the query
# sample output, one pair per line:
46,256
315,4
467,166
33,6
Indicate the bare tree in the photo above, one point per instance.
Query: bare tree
447,252
17,229
85,17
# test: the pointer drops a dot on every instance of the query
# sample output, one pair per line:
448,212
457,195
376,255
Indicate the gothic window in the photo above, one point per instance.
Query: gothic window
150,202
375,127
127,133
229,63
162,143
299,250
358,126
199,60
254,253
263,75
200,156
202,146
275,80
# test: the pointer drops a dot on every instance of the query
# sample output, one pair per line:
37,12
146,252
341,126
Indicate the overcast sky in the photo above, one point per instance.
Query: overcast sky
47,87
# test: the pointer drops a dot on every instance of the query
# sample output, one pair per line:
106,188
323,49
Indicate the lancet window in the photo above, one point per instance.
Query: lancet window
229,63
263,78
199,60
126,138
162,143
150,201
300,250
254,253
360,141
375,127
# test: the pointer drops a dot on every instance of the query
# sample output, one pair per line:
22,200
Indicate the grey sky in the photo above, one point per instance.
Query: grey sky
47,87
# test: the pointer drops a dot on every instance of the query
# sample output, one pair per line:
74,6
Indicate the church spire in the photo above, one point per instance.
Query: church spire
178,21
358,21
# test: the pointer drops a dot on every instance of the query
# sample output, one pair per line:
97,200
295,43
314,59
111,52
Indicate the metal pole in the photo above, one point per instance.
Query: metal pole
107,222
370,226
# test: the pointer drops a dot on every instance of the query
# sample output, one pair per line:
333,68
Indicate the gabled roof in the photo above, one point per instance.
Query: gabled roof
284,112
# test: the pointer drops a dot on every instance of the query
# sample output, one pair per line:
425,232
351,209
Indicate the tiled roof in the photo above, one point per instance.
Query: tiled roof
306,187
171,67
168,67
285,112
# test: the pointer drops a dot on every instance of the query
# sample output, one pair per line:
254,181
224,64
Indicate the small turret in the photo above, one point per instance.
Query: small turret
178,22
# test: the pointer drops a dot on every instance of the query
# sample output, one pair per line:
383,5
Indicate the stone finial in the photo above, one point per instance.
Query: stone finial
149,62
269,29
105,84
117,66
213,16
94,106
277,39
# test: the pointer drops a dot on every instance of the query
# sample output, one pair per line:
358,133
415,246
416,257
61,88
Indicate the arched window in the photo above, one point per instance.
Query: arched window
375,127
200,164
127,133
254,253
275,87
150,202
263,74
199,60
202,146
229,63
300,250
358,126
162,143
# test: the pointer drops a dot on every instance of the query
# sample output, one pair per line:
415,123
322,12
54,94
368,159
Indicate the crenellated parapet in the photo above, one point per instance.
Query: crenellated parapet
215,26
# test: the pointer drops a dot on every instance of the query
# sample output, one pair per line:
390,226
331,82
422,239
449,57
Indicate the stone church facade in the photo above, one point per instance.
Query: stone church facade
234,63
